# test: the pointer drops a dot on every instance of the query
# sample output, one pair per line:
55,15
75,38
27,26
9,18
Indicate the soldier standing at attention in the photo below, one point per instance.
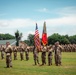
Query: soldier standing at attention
8,52
27,53
57,50
35,55
21,49
43,56
2,52
15,53
50,55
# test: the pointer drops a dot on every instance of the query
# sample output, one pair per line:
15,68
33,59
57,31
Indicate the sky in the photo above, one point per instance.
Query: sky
22,15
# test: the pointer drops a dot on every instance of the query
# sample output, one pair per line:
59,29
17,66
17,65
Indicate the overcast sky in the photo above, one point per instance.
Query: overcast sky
60,16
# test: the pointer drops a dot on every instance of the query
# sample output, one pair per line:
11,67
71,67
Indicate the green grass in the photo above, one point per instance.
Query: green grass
26,67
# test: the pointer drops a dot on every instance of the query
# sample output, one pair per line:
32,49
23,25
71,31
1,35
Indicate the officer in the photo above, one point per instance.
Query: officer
57,50
27,53
8,56
15,53
2,52
35,55
21,49
50,55
43,56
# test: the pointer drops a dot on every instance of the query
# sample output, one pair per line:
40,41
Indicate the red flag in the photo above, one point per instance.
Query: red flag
37,39
44,35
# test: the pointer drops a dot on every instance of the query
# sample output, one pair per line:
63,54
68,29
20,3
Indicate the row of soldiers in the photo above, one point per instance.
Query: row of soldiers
14,49
57,49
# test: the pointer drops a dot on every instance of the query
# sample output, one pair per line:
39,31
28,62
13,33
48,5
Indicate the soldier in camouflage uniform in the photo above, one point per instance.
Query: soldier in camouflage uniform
27,53
15,53
57,50
2,52
35,55
21,49
50,55
43,56
8,56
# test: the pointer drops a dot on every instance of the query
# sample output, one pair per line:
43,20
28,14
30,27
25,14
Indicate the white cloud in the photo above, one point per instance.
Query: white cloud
65,24
24,26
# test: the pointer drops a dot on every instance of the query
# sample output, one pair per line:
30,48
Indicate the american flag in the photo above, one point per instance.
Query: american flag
37,39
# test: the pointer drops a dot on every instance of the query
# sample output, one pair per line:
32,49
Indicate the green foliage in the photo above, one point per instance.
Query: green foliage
56,37
6,36
18,37
72,39
30,40
63,39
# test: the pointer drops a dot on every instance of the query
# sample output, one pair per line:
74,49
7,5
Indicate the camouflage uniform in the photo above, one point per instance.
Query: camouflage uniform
15,53
43,56
8,56
35,55
50,57
2,52
21,53
57,50
27,53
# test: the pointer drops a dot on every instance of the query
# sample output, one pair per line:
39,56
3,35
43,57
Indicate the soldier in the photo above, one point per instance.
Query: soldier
43,56
2,52
57,50
21,49
8,56
27,53
15,53
50,56
35,55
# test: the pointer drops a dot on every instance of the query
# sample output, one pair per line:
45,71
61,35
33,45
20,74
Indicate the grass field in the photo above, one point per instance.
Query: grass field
26,67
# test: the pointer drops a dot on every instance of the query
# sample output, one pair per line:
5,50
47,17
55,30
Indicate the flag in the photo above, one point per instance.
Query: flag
37,39
44,35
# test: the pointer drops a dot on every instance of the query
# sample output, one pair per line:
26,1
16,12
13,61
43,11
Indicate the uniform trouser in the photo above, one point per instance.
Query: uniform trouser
36,60
8,61
15,56
58,59
2,55
27,57
43,60
49,60
21,56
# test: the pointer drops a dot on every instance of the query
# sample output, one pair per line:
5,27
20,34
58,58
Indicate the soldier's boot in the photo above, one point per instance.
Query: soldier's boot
49,64
35,62
56,63
11,64
45,61
21,57
38,61
7,65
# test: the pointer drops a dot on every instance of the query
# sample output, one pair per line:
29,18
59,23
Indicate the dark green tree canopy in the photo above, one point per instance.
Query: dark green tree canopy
6,36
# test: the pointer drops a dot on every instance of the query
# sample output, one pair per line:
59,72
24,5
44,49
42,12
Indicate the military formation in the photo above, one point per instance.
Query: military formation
45,51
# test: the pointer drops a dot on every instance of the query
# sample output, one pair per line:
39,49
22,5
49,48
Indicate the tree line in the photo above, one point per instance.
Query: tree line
63,39
6,36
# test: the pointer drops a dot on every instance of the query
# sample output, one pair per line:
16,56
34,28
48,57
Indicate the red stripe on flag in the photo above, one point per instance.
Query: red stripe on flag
37,39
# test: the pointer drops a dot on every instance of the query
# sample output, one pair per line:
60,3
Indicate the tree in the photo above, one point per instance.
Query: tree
56,37
72,39
30,40
18,37
6,36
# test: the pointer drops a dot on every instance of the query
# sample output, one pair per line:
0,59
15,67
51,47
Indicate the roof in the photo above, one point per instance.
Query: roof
3,42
